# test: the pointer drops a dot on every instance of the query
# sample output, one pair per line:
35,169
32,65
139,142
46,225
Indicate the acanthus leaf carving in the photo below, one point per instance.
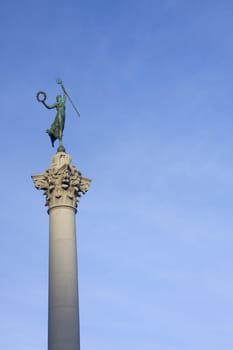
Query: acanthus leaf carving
63,184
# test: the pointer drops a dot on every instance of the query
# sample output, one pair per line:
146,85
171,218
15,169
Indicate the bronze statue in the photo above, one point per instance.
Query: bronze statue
56,130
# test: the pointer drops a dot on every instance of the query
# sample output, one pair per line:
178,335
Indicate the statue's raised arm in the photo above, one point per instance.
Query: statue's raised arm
59,81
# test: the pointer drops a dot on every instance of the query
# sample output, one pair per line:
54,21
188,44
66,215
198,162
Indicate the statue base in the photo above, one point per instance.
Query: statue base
61,148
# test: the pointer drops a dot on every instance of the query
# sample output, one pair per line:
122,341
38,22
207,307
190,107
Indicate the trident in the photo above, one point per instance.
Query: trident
59,82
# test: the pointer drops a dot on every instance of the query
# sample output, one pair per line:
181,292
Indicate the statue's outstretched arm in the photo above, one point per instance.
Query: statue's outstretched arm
64,92
64,97
49,107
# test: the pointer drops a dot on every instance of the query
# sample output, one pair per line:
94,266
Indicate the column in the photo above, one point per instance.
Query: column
63,186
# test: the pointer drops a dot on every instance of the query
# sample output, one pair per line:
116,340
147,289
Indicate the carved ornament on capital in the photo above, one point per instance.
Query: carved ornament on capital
62,183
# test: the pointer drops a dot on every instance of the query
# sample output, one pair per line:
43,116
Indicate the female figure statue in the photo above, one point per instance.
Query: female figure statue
56,130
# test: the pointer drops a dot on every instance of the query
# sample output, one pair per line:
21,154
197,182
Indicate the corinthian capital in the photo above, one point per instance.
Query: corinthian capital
62,183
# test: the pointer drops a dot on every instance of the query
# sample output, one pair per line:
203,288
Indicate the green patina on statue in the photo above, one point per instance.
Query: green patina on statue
56,130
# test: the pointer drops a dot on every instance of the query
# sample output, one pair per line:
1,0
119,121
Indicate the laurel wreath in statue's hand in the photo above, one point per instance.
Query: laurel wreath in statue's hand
41,96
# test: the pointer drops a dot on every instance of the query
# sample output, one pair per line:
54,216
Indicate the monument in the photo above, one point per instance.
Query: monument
63,185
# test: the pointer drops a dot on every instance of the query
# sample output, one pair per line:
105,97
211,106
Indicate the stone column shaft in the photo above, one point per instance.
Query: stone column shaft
63,318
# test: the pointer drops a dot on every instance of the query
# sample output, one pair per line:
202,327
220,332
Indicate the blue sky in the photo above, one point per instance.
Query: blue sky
153,81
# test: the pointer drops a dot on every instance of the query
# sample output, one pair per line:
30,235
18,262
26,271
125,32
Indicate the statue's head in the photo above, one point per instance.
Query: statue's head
59,98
